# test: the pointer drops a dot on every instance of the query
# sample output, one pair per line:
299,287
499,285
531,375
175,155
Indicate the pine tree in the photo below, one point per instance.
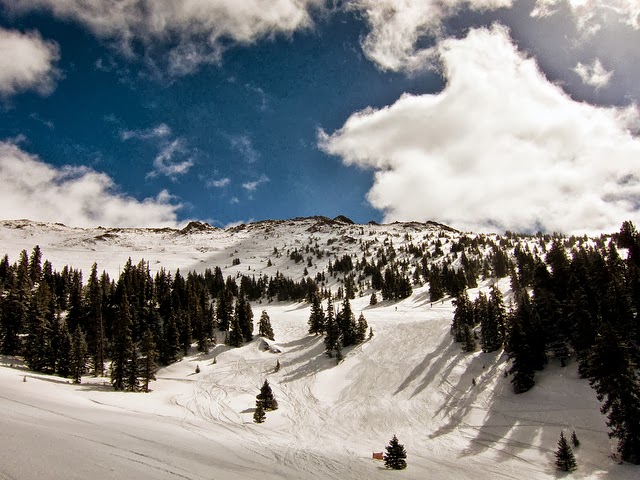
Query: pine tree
234,338
523,367
462,317
79,351
469,341
264,326
565,459
258,415
316,318
361,333
492,325
132,370
332,337
374,299
574,439
122,348
347,324
171,350
395,457
266,398
63,348
148,353
613,375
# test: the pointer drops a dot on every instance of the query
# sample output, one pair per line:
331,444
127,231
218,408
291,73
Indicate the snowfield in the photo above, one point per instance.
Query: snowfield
410,379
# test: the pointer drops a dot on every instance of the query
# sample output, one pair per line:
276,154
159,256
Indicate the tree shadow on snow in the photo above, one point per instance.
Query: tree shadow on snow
309,362
447,353
462,396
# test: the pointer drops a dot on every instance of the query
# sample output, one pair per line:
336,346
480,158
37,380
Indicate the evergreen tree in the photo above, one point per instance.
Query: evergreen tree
245,317
565,459
362,329
462,317
469,341
132,370
258,415
234,337
574,439
519,345
264,326
79,351
148,353
38,341
347,324
332,337
266,398
492,325
16,308
122,348
614,377
316,318
63,347
395,457
171,350
374,299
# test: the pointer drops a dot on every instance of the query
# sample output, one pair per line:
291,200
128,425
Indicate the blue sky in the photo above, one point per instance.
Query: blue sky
483,114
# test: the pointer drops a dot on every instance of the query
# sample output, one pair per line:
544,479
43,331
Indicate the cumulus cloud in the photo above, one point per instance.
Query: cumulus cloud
27,62
219,182
194,30
499,148
593,74
77,196
170,161
398,27
590,14
252,186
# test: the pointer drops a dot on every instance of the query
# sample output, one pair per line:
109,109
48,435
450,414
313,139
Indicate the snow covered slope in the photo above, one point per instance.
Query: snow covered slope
410,379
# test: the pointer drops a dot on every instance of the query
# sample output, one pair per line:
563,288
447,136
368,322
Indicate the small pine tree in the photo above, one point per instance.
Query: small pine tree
264,326
574,439
266,398
396,455
361,331
197,368
258,415
370,333
374,299
565,460
277,369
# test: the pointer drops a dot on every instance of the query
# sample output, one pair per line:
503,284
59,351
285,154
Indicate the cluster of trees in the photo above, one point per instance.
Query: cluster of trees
265,402
340,330
585,306
61,325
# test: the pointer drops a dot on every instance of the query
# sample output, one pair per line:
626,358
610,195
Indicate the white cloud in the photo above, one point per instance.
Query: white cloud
253,185
219,182
593,74
167,163
161,130
397,27
27,62
499,148
77,196
195,30
244,146
590,14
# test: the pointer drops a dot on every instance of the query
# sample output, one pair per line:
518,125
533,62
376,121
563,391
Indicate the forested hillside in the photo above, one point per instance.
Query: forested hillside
542,299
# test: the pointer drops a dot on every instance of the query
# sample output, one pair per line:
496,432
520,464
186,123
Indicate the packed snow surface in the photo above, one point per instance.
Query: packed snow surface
410,379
